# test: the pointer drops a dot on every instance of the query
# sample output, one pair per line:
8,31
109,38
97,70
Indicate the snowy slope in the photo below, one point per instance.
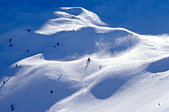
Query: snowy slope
127,72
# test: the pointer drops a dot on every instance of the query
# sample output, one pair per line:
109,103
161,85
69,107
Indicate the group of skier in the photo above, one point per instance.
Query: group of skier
57,44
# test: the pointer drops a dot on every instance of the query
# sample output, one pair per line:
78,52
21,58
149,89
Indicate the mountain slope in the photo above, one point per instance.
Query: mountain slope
87,65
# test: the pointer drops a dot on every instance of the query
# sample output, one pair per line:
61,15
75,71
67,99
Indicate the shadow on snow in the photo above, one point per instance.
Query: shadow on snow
159,66
107,87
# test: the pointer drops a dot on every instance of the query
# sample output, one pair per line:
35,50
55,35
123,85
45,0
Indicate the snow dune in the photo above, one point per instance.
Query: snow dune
120,75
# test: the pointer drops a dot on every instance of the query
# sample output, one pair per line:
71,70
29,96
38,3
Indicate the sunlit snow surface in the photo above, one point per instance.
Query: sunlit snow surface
127,72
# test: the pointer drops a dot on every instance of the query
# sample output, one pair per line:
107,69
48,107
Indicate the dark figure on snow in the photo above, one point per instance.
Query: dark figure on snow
3,82
10,45
10,40
16,65
54,46
87,63
29,30
51,91
100,67
88,60
12,108
57,44
27,50
112,51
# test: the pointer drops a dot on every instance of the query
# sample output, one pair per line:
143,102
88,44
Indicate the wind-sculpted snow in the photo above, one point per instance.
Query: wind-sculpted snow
109,69
69,22
94,36
68,45
75,18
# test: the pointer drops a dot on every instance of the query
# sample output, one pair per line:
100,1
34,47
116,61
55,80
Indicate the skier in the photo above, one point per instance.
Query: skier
88,60
12,108
3,82
16,65
27,50
57,44
100,67
10,45
87,63
29,30
51,91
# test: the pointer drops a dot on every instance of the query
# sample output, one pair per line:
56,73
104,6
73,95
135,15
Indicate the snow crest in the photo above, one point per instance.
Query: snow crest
68,22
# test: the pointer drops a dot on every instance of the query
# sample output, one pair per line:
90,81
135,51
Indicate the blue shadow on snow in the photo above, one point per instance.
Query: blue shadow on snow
107,87
159,66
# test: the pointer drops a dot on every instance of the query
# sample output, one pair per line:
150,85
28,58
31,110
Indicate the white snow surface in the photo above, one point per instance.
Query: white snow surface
127,72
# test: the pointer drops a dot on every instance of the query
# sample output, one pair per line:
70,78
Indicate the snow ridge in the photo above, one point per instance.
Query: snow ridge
67,22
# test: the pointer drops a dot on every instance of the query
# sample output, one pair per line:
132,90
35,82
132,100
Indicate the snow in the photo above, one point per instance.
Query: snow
69,22
127,71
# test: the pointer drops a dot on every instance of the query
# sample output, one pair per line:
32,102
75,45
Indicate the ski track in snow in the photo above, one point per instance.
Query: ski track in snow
142,91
